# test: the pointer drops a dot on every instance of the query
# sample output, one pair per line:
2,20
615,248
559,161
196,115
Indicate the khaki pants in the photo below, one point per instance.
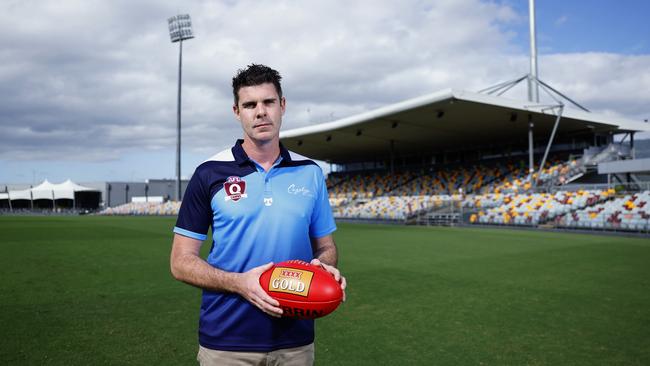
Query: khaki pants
299,356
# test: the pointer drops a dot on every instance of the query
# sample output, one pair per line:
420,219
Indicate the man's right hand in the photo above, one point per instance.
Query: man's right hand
189,267
250,289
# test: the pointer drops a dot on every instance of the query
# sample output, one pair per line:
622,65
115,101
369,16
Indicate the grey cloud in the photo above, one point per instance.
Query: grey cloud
97,79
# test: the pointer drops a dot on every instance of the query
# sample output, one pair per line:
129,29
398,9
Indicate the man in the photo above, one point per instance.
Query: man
265,205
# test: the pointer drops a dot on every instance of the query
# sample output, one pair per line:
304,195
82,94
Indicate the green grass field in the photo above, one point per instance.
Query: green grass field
97,291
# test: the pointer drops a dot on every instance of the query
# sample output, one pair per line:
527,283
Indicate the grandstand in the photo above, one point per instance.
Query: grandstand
457,157
498,195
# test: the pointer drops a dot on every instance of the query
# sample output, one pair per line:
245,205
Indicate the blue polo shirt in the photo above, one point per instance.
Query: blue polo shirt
256,217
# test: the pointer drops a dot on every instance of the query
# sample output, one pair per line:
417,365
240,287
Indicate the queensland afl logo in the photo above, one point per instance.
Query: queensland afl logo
235,189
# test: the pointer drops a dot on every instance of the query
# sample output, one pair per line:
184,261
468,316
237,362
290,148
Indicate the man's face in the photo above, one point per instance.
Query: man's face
260,111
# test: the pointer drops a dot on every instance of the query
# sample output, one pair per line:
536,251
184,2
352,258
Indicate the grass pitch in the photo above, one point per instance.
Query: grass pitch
97,290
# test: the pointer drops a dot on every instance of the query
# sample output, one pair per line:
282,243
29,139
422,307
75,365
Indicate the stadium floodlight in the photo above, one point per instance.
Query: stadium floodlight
180,29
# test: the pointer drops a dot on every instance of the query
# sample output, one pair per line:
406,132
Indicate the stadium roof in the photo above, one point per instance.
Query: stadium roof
446,120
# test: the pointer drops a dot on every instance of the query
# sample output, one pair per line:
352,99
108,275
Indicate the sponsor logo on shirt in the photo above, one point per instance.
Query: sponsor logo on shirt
299,191
235,189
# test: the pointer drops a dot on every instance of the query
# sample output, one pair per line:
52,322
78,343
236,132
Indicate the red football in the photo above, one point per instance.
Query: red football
305,291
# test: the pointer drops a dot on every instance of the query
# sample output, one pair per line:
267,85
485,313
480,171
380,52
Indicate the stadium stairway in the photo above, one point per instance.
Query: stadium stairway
576,168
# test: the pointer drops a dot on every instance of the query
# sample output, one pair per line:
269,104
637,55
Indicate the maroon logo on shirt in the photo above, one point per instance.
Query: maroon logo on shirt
235,189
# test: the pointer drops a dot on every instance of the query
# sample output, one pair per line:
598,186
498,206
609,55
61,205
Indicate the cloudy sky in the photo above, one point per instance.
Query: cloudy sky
88,87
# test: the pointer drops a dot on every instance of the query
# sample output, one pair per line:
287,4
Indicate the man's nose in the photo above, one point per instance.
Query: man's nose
260,110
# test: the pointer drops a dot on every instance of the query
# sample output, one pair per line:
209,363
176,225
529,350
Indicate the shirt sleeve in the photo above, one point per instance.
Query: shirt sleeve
195,215
322,220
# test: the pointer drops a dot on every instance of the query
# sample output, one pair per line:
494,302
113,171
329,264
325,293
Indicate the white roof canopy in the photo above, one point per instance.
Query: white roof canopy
49,191
449,119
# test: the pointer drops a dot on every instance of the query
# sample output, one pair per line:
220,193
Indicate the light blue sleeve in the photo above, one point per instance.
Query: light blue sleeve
322,220
189,234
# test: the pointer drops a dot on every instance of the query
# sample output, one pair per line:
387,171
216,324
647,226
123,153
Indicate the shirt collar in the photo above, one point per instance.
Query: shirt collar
241,157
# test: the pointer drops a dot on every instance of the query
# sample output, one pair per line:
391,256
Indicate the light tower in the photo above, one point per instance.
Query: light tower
534,85
533,88
180,29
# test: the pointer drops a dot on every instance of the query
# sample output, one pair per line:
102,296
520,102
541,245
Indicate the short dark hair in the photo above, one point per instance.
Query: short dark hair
255,74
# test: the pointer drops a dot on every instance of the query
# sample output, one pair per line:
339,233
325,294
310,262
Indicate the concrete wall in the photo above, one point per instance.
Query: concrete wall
117,193
625,166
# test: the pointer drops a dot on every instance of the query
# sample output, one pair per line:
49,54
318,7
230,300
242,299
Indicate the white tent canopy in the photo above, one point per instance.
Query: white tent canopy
20,195
45,191
50,191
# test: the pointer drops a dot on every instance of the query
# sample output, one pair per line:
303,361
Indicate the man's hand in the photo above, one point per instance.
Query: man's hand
189,267
248,286
334,271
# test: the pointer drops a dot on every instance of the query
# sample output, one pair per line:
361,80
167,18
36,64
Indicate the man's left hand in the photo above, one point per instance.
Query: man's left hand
334,271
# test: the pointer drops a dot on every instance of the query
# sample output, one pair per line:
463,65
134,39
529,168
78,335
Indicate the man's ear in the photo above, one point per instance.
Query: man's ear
283,104
235,110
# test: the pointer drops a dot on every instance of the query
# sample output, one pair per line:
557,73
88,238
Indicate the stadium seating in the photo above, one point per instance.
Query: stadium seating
367,185
629,212
533,208
444,181
391,207
144,208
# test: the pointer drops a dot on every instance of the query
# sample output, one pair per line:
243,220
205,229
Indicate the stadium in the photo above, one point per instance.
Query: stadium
457,157
474,228
444,178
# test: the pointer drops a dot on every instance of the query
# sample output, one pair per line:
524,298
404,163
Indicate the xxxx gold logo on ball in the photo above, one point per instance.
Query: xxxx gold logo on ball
290,281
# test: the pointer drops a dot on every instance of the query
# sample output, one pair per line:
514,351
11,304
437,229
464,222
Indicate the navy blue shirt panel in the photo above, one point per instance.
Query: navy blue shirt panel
197,216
